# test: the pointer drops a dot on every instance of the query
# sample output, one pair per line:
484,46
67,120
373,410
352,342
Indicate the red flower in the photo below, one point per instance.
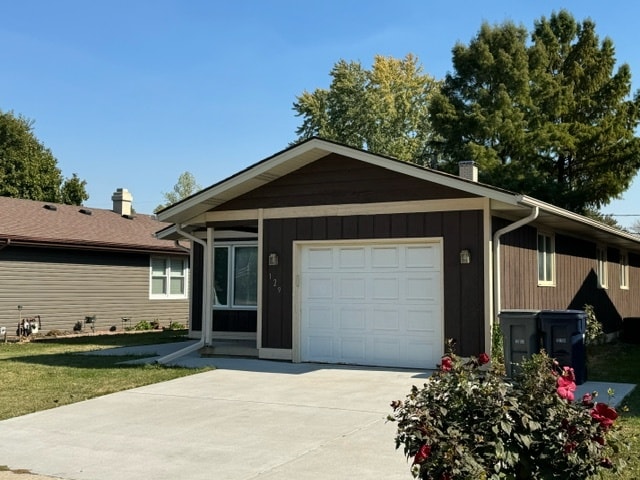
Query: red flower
570,447
568,373
566,387
587,400
447,364
604,414
483,358
423,454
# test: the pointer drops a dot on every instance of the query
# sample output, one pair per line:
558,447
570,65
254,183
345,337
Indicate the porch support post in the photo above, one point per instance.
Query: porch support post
208,281
260,311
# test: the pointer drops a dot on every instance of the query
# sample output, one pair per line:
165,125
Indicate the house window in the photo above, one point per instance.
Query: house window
236,276
601,258
624,270
168,277
546,259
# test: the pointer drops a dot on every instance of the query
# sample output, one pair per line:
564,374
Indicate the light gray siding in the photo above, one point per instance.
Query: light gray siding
65,286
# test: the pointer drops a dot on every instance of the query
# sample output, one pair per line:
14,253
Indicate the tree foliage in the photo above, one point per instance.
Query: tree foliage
383,110
185,186
551,118
29,170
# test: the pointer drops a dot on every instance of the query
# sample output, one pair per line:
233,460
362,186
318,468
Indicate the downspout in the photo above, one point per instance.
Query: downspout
196,346
7,242
535,211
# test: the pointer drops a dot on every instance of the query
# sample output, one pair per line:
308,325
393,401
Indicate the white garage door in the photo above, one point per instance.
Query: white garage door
371,304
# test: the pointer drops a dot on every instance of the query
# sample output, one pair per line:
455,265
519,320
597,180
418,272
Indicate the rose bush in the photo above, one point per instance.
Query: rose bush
469,422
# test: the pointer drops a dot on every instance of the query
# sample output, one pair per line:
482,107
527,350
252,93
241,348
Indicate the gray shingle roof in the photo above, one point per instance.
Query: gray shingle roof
29,222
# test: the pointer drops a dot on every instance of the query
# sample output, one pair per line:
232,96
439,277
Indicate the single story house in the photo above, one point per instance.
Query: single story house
326,253
65,263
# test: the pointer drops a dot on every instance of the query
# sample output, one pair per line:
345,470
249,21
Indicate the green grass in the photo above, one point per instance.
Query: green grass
45,374
620,363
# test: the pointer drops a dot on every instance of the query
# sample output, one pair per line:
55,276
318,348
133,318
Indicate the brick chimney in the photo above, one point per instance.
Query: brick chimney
122,201
468,170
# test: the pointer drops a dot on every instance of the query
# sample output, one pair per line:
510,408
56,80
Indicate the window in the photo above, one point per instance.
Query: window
168,277
624,270
546,259
601,258
236,276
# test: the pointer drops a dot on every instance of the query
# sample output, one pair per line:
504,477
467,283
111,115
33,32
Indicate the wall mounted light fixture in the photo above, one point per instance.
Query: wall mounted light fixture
273,259
465,256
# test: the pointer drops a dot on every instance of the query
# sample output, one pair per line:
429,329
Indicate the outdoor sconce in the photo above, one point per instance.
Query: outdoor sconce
465,257
273,259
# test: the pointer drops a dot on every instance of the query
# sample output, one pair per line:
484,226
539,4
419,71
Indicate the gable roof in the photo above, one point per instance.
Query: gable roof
503,202
35,223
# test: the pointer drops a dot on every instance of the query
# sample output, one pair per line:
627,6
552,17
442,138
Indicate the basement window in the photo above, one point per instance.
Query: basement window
236,276
546,259
168,278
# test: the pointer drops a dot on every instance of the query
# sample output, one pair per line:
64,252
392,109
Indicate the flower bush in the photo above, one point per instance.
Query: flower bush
469,422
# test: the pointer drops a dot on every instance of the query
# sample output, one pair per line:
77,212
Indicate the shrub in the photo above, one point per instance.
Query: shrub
143,325
469,422
175,326
594,334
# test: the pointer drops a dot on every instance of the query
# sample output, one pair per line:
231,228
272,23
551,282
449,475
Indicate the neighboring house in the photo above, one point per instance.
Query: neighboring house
65,263
326,253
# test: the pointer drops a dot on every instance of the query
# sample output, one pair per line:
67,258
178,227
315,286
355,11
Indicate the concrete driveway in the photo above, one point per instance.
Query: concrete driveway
248,419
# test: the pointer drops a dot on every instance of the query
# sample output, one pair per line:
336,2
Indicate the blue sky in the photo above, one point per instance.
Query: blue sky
133,93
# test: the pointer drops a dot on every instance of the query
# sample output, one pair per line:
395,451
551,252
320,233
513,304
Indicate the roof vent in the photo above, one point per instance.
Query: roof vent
86,211
129,217
48,206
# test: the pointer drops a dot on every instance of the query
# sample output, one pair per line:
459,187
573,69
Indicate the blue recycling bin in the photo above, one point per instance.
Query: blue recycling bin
562,335
520,337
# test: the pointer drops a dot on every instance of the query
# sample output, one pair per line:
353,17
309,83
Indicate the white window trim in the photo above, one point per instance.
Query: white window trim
230,269
185,272
624,270
552,239
601,266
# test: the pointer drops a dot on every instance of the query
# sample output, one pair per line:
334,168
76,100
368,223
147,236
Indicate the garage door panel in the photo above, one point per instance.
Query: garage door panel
353,318
375,304
385,257
385,288
385,320
352,288
319,258
352,258
320,317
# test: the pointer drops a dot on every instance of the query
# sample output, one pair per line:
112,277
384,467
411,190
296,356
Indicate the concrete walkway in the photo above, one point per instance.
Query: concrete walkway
247,419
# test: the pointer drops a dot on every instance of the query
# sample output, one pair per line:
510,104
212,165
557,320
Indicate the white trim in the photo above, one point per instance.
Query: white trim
602,266
341,210
624,270
274,354
488,276
260,273
296,307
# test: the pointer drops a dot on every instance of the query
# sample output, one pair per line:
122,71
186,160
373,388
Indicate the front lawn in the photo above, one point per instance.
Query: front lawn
620,362
48,373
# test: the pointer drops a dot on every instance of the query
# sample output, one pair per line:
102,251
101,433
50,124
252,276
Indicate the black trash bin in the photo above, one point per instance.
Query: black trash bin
521,339
563,337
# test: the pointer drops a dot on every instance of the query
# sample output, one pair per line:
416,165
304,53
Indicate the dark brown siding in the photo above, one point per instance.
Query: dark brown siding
340,180
65,286
576,281
463,284
234,320
197,279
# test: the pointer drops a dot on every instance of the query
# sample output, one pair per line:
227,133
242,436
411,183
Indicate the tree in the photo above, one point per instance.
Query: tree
73,192
185,186
383,110
28,169
550,118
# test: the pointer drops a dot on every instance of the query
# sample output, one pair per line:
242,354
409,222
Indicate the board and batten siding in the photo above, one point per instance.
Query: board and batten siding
463,285
65,286
576,283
